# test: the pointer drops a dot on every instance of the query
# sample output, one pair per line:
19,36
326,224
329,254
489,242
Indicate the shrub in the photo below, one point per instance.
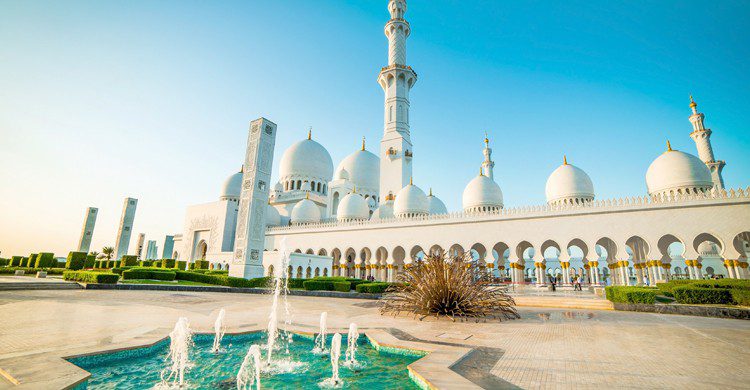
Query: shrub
221,280
32,260
697,295
24,262
373,288
148,273
733,284
128,261
200,264
630,294
668,287
90,277
4,262
741,297
167,263
145,263
15,261
317,285
342,286
295,283
181,265
45,260
76,260
90,261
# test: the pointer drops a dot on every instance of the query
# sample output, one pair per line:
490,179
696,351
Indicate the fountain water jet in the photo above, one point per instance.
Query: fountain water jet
351,345
249,373
219,330
320,340
335,355
180,341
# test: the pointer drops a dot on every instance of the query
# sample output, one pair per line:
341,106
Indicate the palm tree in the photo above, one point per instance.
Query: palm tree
94,253
108,251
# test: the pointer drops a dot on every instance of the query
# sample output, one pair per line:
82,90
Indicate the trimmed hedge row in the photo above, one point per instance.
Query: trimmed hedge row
31,271
630,294
148,273
329,283
702,296
76,260
373,288
128,261
668,287
45,260
91,277
222,280
342,286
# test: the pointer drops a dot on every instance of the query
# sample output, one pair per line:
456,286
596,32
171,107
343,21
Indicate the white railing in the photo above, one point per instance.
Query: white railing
593,206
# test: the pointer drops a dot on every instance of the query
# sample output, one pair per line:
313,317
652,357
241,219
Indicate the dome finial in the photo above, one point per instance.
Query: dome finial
565,160
693,104
354,189
481,172
430,191
242,168
363,142
669,146
486,139
309,132
307,195
411,180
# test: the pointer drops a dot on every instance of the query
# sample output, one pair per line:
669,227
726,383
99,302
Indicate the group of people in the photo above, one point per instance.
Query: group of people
576,283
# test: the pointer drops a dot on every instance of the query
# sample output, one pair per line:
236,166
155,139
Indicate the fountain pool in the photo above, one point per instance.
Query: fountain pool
141,368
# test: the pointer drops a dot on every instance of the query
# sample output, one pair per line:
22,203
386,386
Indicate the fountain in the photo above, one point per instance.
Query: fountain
334,380
180,340
320,340
249,373
351,346
219,330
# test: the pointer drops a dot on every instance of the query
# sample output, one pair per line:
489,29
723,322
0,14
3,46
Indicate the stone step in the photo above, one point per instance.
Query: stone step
563,302
38,286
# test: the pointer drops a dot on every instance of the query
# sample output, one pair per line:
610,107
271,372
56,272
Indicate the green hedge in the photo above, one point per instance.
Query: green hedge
668,287
146,263
741,297
296,283
4,262
30,271
145,273
317,285
45,260
181,265
630,294
76,260
15,261
221,280
24,262
342,286
373,288
90,261
697,295
91,277
32,260
201,264
128,261
733,284
167,263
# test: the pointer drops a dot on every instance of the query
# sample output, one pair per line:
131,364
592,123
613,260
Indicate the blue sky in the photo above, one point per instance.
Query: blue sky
100,100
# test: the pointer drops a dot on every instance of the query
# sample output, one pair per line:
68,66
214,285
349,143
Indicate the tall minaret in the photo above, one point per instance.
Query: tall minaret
396,79
488,164
702,138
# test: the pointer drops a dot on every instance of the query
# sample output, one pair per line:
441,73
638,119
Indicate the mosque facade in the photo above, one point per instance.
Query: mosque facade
368,218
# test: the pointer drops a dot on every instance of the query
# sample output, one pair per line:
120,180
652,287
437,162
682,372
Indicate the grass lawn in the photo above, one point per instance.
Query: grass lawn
165,282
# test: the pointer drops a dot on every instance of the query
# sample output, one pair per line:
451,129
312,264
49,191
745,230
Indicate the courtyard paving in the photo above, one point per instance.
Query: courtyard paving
546,348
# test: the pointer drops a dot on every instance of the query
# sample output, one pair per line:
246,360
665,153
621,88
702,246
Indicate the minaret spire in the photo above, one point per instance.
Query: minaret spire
702,137
396,79
487,165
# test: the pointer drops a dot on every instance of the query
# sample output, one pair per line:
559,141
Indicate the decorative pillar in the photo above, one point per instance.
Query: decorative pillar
743,269
624,272
594,268
729,264
698,267
667,275
539,268
638,273
390,273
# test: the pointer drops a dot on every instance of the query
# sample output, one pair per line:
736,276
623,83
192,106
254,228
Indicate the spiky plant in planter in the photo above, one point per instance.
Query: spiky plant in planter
457,288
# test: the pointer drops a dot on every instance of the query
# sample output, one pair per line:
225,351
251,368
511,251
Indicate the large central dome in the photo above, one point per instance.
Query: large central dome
569,184
677,172
482,194
306,160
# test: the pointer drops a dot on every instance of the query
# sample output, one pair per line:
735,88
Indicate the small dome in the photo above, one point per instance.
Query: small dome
306,159
410,201
435,205
273,218
353,207
675,171
482,194
707,249
363,168
305,211
232,187
569,183
341,174
384,211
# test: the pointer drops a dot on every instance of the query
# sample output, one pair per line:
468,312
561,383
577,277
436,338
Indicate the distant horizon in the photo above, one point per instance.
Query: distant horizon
103,101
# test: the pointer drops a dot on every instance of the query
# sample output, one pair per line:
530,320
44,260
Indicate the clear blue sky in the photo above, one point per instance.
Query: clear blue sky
100,100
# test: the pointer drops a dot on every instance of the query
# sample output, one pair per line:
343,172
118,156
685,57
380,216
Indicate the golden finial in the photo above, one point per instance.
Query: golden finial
486,139
481,172
430,191
363,143
692,102
354,189
565,160
411,180
307,195
309,132
242,168
669,146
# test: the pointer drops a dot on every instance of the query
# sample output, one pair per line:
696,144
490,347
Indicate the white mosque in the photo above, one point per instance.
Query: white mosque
368,218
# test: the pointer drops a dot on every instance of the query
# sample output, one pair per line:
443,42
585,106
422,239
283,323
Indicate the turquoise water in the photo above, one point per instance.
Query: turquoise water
141,368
